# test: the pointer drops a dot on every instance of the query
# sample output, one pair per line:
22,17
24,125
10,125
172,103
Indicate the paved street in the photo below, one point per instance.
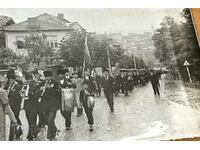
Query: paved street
140,116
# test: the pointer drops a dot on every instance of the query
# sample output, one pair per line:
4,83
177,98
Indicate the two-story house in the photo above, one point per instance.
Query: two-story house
54,27
4,21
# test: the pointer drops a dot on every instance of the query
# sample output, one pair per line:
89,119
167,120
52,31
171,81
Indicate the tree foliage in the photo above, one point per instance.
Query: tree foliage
72,48
73,44
176,43
8,57
37,48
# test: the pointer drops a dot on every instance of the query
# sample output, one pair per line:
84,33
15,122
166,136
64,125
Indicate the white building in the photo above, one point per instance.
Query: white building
54,27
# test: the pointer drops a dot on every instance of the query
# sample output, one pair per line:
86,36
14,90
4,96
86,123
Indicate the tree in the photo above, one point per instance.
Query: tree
8,57
99,46
176,43
165,40
72,48
37,48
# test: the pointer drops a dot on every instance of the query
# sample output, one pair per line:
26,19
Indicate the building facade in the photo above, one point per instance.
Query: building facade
4,21
53,27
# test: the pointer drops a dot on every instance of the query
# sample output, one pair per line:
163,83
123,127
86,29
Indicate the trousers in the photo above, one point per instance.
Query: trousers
67,116
52,129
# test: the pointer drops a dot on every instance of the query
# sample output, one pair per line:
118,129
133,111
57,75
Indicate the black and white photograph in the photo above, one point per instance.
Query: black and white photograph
99,74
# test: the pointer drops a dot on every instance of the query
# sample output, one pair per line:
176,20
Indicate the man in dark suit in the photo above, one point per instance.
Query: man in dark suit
15,99
51,102
65,83
41,114
107,83
30,106
155,82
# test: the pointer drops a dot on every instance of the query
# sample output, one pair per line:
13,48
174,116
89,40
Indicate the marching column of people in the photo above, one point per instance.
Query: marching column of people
41,96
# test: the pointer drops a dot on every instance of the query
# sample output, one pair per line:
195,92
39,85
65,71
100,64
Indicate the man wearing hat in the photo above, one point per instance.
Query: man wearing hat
65,83
51,102
30,105
15,98
40,113
107,83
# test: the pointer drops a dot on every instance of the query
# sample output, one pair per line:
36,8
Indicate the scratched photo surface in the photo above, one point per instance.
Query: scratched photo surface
98,74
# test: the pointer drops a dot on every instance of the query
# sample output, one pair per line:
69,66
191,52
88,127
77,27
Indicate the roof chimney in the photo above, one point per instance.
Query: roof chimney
33,23
60,16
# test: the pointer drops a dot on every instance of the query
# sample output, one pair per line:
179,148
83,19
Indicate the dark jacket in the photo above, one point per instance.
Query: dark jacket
51,97
14,96
107,83
34,94
91,83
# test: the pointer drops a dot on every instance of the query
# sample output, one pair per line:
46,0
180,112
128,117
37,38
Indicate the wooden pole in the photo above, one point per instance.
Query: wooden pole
83,73
109,64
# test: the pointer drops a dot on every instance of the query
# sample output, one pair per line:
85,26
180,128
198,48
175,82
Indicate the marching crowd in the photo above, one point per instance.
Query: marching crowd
42,96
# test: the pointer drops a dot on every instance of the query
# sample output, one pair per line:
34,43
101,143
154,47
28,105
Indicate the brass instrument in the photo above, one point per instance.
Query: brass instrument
24,91
36,79
44,89
11,87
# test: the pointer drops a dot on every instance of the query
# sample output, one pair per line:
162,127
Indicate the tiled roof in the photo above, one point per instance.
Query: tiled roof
4,20
44,22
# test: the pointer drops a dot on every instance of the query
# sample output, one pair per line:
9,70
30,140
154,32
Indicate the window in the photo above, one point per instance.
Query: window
20,42
52,41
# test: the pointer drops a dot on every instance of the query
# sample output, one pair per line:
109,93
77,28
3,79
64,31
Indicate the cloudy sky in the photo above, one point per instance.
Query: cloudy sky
103,20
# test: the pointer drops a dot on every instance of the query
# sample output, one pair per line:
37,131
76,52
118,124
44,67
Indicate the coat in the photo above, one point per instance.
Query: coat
32,102
51,97
107,84
14,96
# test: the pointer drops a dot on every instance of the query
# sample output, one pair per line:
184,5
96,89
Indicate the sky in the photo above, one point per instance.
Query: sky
102,20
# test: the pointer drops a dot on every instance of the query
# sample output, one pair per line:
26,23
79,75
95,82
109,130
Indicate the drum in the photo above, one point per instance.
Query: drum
90,102
67,99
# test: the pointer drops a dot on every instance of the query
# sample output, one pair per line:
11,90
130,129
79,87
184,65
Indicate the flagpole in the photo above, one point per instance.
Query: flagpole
83,73
109,65
108,55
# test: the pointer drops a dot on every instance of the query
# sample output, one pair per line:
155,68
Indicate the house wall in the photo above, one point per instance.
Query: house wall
11,38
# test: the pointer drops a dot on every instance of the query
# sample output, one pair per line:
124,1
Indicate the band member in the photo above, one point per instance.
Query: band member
30,105
67,74
5,107
51,102
155,83
88,89
15,100
40,111
65,83
108,89
77,82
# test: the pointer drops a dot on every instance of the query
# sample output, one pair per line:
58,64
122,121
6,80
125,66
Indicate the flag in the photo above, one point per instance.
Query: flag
87,59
